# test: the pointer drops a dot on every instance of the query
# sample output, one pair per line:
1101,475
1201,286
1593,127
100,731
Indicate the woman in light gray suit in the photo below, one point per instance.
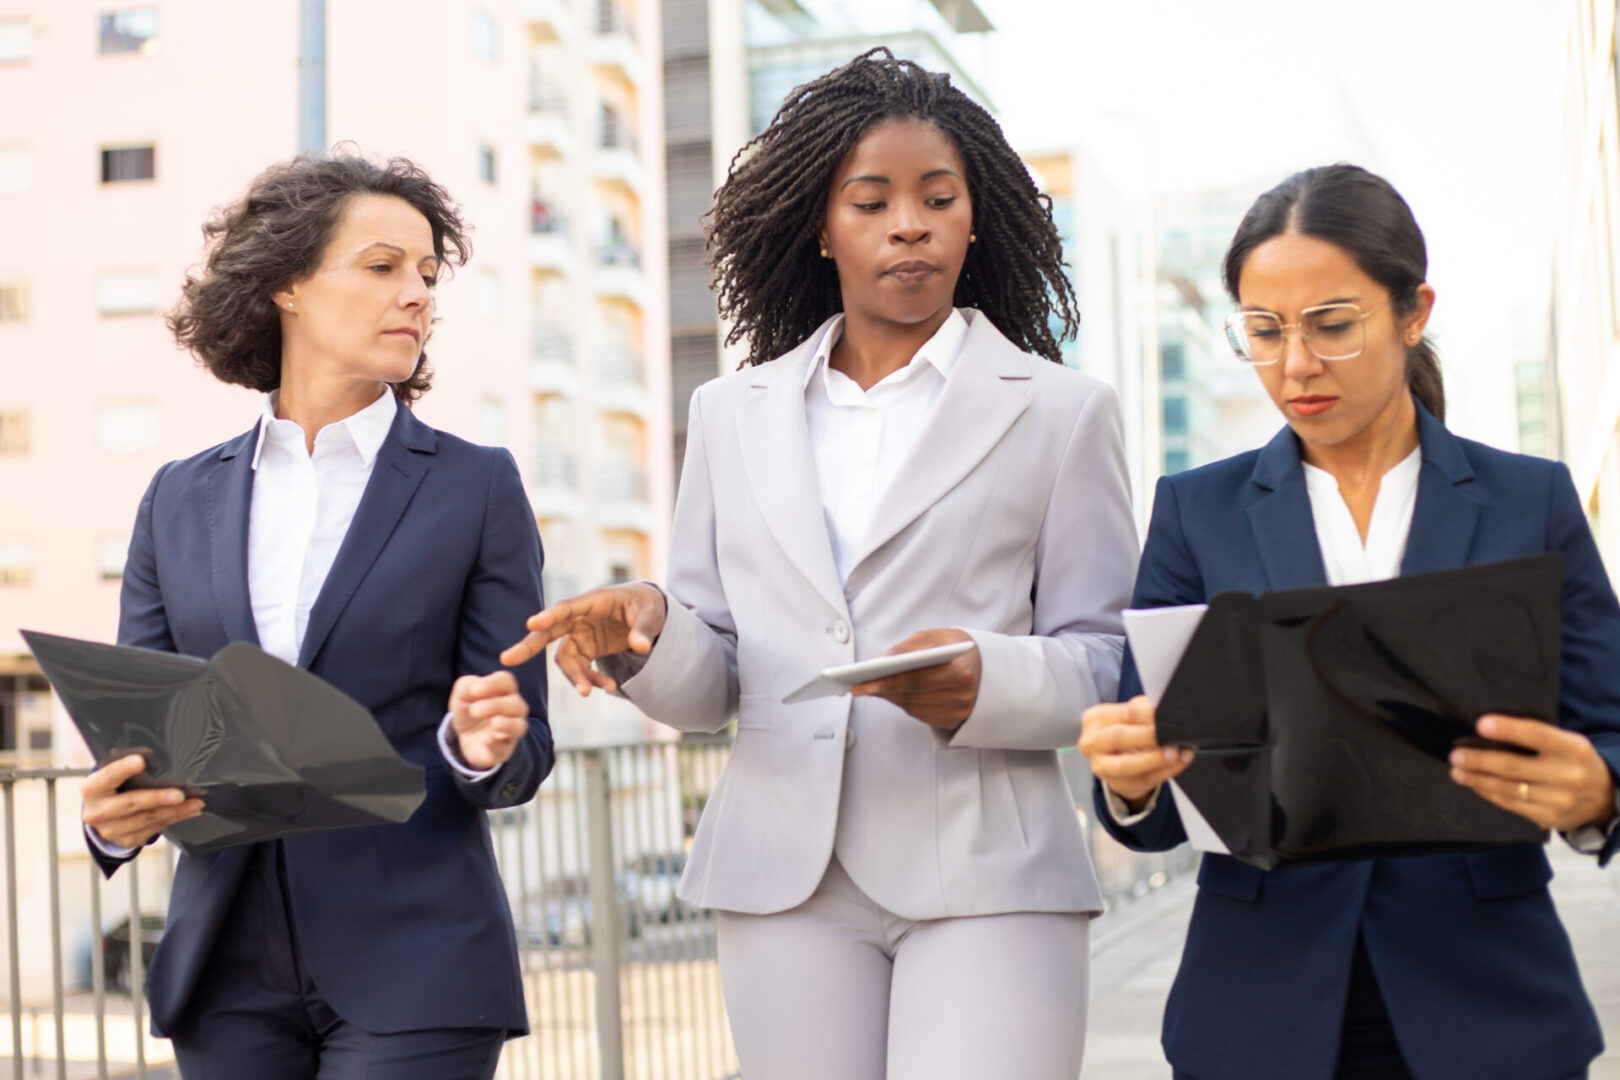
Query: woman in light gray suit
902,882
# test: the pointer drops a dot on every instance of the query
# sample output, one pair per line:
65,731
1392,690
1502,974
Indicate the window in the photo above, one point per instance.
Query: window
16,172
1175,416
14,301
16,562
127,293
123,164
111,552
1177,461
13,431
486,38
1172,361
127,428
16,41
486,163
135,30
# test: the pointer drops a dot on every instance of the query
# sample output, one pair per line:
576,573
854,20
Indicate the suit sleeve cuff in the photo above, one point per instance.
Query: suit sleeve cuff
1121,813
451,755
1592,839
107,847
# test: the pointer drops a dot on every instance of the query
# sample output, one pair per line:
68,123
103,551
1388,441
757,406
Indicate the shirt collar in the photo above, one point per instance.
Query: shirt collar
942,350
367,429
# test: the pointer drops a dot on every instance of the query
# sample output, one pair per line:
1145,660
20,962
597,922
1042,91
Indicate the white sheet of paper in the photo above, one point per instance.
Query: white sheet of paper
1158,637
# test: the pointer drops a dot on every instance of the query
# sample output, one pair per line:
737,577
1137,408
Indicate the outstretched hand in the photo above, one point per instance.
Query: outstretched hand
598,623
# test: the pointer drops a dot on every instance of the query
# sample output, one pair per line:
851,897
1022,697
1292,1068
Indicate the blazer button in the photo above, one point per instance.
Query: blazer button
509,791
840,631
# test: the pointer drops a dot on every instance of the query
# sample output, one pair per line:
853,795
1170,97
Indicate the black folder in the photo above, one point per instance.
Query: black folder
270,748
1323,717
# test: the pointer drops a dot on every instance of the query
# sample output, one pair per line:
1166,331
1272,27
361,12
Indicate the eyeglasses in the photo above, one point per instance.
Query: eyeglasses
1331,332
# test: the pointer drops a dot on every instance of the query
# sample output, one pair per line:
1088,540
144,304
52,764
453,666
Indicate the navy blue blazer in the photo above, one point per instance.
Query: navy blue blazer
1474,965
403,927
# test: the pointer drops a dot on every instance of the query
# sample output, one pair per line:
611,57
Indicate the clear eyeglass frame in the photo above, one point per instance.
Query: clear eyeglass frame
1237,332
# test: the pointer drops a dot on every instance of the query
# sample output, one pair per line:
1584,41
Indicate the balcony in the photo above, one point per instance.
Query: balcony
616,160
618,274
555,492
549,20
546,129
551,248
621,382
621,498
612,48
552,369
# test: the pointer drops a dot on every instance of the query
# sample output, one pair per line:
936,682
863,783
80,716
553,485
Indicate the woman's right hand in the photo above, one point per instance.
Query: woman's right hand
131,818
599,623
1122,744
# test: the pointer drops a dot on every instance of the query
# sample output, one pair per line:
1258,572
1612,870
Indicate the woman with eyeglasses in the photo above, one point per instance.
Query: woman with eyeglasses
1428,966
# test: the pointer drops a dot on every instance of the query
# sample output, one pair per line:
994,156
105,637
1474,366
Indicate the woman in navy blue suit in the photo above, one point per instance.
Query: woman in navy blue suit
1432,966
342,534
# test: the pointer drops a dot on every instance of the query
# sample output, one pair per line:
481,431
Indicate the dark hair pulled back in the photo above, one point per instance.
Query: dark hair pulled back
1364,215
763,248
275,235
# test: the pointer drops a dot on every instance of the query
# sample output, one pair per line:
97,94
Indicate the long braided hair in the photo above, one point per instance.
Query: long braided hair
763,248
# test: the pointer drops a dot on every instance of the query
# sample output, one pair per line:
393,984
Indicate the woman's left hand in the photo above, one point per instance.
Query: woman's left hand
1564,785
941,696
489,716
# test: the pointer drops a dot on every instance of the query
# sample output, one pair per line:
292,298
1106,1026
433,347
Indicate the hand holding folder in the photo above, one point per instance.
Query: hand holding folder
1323,718
271,749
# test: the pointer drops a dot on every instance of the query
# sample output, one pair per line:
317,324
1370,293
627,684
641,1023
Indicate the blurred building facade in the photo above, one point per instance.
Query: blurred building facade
728,64
1210,404
1584,342
542,117
1111,250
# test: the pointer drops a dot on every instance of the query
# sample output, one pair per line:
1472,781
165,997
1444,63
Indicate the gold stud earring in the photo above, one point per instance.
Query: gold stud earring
825,254
973,238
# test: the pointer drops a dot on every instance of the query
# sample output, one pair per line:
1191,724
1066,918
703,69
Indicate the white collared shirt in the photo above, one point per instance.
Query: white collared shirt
303,504
860,438
1347,559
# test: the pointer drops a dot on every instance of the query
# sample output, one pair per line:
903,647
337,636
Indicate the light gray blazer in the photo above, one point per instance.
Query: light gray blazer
1010,520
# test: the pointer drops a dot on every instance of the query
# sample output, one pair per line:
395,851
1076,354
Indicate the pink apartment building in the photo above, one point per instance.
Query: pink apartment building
122,125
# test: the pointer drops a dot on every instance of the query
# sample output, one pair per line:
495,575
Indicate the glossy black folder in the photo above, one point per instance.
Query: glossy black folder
1322,718
271,749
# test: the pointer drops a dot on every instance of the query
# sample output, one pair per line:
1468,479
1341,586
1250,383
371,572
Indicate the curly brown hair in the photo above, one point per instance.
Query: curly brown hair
275,235
762,243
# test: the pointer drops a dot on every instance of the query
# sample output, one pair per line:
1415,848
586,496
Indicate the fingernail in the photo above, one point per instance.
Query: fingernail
174,796
1459,758
1186,754
1172,753
1488,726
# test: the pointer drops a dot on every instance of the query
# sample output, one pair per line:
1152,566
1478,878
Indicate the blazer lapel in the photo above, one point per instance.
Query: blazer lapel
397,473
782,473
230,495
1284,530
1445,514
982,397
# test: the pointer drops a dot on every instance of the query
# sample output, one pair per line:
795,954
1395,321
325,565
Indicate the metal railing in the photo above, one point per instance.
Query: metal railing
606,834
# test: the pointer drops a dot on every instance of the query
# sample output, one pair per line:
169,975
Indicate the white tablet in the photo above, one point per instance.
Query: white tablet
837,680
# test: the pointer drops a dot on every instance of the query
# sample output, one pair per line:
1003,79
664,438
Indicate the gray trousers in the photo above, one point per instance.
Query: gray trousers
840,987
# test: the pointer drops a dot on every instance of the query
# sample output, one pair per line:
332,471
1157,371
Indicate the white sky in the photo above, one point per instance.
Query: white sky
1457,102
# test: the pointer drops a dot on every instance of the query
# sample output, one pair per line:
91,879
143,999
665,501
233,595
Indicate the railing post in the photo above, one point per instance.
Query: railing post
604,920
11,930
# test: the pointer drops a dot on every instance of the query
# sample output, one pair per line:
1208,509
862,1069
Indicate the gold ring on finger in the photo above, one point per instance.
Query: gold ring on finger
1524,791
